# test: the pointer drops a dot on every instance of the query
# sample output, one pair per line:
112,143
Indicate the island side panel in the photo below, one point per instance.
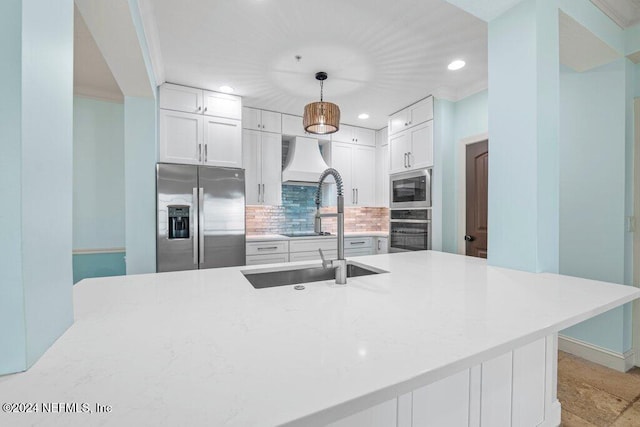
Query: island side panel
516,388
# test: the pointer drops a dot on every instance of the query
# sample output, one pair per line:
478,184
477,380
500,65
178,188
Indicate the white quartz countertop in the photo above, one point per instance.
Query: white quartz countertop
272,237
206,348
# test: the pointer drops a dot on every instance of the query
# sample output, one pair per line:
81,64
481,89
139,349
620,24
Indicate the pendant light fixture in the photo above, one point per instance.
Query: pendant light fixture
321,118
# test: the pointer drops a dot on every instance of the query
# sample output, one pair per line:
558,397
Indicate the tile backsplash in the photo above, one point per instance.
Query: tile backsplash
297,214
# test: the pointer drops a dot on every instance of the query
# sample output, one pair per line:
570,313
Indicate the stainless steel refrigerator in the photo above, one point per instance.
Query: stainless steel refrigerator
200,217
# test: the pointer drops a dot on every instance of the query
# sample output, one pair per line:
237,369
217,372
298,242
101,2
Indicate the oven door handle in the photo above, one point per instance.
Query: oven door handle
411,221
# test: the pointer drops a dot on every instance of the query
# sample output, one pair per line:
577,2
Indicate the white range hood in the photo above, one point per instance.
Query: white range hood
304,162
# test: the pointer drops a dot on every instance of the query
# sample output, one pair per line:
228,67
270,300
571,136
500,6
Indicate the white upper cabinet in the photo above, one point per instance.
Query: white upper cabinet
199,101
222,142
266,121
413,115
180,98
356,165
292,126
355,135
382,168
262,158
222,105
200,127
411,149
181,137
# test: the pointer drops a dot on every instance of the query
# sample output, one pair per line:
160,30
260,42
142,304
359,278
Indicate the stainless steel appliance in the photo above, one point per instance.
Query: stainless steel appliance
410,189
200,217
410,230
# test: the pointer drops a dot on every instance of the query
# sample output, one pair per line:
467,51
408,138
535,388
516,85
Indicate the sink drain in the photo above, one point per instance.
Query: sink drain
299,287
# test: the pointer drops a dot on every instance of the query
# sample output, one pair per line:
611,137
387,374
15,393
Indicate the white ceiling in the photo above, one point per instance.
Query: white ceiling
626,13
380,55
91,74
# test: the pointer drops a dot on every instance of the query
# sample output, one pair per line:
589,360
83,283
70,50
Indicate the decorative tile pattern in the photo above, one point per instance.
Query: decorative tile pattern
298,210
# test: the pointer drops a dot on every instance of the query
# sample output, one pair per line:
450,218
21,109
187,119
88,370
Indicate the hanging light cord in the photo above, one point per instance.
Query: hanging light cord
321,89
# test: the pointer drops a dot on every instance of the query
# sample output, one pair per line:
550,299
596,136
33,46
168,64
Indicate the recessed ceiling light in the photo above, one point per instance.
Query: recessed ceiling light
363,116
456,65
226,89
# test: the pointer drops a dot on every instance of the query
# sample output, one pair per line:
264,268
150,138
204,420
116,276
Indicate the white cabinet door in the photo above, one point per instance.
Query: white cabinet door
181,137
222,105
341,160
399,146
292,125
421,152
271,154
345,134
420,112
222,142
364,136
271,122
364,175
398,122
382,245
252,166
180,98
250,118
382,176
266,259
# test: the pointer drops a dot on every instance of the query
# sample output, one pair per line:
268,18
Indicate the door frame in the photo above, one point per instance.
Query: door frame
461,187
635,325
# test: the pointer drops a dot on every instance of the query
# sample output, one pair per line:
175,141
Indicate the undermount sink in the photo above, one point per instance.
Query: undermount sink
303,274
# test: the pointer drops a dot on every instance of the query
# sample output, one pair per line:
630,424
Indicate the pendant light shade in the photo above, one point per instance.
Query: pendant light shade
322,117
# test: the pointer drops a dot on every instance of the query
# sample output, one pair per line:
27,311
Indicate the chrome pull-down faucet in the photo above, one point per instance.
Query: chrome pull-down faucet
339,264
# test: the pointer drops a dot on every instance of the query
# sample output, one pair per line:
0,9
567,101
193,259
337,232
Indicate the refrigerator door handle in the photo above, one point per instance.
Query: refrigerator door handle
201,223
194,230
205,153
200,152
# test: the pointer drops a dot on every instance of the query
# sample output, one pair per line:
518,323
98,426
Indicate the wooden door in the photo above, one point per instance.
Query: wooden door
477,192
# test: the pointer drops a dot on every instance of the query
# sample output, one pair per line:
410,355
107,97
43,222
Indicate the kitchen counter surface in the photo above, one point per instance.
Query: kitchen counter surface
206,348
273,237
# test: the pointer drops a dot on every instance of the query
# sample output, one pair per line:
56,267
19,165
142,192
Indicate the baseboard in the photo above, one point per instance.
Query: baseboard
552,416
619,361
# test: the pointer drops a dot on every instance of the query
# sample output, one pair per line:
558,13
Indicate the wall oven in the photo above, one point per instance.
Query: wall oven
410,230
410,189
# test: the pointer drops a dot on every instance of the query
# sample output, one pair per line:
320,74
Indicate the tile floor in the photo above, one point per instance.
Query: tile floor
592,395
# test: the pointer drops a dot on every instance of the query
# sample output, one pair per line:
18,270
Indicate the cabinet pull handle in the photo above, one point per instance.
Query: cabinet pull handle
263,193
259,193
357,243
199,108
205,152
205,109
268,248
405,160
353,196
357,196
199,152
409,158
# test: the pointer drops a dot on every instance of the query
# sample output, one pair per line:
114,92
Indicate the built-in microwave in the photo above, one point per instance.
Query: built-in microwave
410,189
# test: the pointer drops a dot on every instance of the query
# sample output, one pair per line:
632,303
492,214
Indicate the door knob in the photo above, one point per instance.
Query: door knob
469,238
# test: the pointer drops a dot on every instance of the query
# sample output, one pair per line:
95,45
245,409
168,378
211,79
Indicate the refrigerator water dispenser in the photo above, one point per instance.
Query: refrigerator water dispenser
179,222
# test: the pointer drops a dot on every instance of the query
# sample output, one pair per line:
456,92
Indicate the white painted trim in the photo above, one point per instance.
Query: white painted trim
98,251
461,186
150,28
100,95
621,362
635,325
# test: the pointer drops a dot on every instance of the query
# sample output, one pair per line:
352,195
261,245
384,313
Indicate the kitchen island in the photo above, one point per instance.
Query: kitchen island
441,339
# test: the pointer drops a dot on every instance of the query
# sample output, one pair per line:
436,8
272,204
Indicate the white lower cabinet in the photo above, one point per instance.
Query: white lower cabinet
382,245
267,252
312,256
517,388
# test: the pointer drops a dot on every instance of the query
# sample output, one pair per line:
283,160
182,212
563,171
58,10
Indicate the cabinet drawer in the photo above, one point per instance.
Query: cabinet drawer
358,252
358,243
313,245
312,256
267,259
271,247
